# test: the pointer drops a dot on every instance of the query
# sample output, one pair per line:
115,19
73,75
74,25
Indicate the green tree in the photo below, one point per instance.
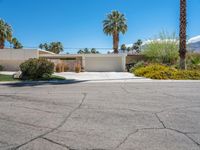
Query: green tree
94,51
123,48
113,25
16,44
80,51
55,47
129,49
88,51
5,33
137,46
182,34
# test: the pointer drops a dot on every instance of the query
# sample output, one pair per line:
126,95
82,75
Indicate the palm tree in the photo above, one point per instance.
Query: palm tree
16,44
123,48
55,47
5,33
114,24
94,51
182,34
137,46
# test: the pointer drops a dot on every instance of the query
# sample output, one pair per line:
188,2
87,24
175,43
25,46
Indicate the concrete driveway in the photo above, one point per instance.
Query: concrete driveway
100,116
100,76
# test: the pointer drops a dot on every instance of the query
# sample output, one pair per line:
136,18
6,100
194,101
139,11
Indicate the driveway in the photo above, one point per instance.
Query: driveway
100,76
100,116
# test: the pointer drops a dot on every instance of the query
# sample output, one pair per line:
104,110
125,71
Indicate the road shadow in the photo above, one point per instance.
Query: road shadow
40,83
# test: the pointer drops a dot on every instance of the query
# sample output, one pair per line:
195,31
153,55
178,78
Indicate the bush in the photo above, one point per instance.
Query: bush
193,61
66,68
165,50
78,68
59,68
158,71
1,68
34,69
137,65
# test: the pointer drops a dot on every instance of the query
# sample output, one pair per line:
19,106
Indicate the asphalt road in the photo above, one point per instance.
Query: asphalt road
100,116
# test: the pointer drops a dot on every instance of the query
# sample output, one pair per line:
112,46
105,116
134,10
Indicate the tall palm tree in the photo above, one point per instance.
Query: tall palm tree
182,34
5,33
115,24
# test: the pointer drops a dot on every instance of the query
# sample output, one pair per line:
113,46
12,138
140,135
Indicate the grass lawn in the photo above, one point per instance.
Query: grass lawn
4,78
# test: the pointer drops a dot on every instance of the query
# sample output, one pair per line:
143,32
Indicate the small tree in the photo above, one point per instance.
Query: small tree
137,46
123,48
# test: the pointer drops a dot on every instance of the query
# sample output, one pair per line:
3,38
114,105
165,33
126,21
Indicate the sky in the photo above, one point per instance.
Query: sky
78,23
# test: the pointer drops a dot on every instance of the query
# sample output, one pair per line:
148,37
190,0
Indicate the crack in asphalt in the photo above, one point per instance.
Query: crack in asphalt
63,145
24,123
164,127
174,130
163,124
60,125
125,139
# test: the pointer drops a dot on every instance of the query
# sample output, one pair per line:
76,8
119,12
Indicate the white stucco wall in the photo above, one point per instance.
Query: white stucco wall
105,63
10,59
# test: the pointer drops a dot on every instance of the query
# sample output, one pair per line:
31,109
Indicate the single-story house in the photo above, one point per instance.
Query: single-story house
10,59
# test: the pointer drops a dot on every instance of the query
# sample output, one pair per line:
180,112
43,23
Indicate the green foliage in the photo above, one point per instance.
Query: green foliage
165,50
137,65
158,71
16,44
123,47
34,69
115,22
193,61
88,51
55,47
113,25
1,68
137,46
5,33
6,78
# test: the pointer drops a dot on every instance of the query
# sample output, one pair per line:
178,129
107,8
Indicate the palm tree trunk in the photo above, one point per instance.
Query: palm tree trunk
182,34
2,44
115,42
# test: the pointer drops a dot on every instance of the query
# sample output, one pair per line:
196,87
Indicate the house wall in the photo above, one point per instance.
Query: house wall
10,59
105,63
70,63
95,62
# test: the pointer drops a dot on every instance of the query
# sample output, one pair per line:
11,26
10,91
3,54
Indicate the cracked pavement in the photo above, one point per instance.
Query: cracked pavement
100,116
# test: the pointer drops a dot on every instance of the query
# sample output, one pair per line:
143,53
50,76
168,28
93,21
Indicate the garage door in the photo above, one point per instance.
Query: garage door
103,64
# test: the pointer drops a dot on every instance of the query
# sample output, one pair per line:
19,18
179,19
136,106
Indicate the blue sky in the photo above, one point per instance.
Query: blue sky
78,23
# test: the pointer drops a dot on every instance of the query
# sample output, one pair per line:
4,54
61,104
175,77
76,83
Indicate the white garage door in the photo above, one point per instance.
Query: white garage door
103,64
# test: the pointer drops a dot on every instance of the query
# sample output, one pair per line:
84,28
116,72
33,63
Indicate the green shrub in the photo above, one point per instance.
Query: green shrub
165,50
34,69
158,71
193,61
137,65
1,68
